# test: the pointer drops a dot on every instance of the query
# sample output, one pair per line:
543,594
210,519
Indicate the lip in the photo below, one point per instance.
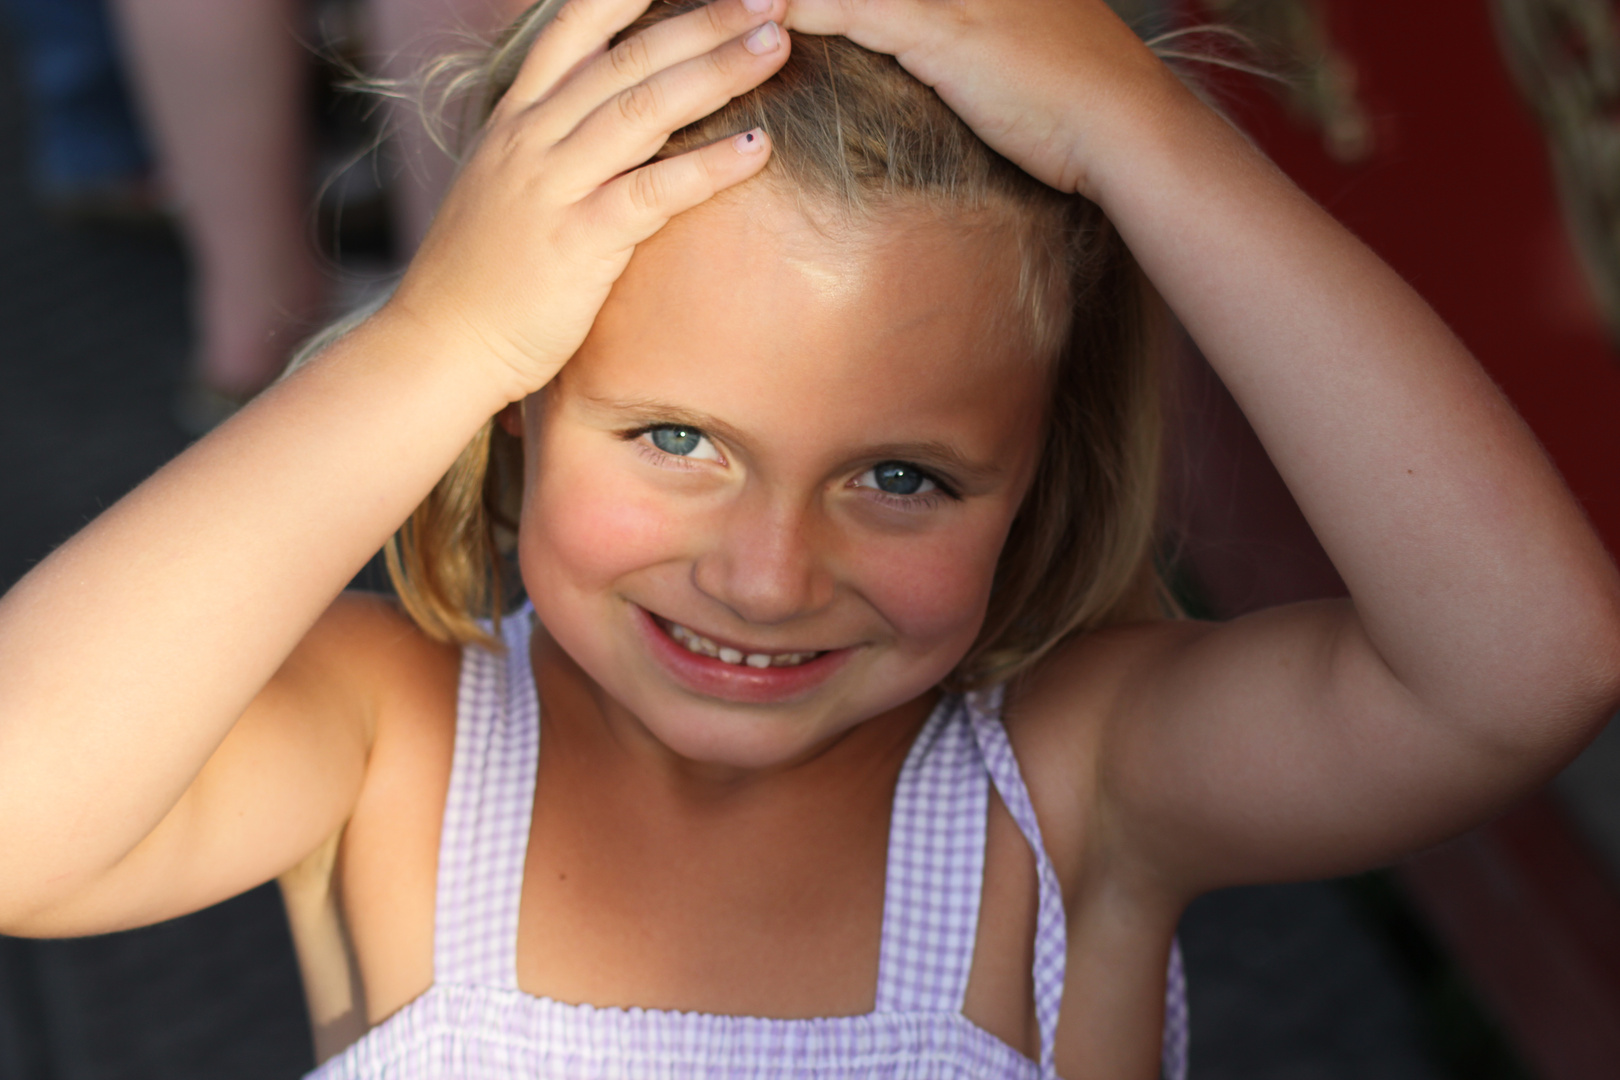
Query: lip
714,678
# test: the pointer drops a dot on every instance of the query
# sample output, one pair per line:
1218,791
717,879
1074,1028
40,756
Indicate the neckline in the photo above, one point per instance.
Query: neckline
489,814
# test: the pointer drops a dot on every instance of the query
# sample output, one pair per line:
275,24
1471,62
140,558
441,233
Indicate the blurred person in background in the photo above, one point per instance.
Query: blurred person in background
87,156
223,90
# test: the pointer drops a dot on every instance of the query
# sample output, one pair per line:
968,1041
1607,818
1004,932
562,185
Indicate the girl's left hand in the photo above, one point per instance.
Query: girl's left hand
1053,85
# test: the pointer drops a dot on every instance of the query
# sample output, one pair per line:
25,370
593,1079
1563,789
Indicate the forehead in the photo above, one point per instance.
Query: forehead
908,318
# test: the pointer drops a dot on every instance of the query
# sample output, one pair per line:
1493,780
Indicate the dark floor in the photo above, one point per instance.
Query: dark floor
1288,983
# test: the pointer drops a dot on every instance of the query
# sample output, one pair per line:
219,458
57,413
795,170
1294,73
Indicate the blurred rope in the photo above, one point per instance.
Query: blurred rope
1565,55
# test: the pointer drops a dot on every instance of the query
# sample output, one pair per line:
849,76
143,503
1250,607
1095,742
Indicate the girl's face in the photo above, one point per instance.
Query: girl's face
765,500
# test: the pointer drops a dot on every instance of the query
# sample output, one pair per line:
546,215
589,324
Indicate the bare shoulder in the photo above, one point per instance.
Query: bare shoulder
1059,718
1278,745
410,678
371,649
398,687
400,684
376,879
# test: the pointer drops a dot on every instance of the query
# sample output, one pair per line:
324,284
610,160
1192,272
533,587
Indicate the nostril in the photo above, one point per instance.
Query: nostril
765,564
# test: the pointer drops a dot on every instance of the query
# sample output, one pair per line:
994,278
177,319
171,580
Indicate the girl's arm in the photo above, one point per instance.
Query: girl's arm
171,731
1481,645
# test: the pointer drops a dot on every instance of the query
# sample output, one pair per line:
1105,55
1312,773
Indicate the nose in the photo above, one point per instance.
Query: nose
766,562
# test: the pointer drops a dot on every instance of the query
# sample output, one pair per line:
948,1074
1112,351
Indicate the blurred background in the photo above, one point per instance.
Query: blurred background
185,190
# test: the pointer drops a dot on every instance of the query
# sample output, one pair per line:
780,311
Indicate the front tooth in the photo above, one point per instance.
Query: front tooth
758,660
731,656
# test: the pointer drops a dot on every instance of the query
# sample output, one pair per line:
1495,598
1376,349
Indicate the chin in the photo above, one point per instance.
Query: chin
734,738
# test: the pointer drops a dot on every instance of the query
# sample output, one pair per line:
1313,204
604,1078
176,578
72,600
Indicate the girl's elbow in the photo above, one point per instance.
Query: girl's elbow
1543,695
1583,684
25,916
1603,654
1605,668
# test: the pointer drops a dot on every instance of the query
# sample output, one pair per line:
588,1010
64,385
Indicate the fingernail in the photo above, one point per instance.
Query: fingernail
750,142
763,40
758,7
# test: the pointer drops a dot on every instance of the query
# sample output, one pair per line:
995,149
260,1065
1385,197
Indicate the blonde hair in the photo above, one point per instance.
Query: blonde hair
852,131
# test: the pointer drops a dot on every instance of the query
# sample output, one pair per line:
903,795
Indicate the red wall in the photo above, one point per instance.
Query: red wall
1458,197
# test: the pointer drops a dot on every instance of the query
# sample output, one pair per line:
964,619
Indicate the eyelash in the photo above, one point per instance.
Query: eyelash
943,491
661,457
928,500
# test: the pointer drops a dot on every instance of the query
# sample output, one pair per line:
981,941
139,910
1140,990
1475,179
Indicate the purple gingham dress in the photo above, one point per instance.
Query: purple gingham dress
475,1024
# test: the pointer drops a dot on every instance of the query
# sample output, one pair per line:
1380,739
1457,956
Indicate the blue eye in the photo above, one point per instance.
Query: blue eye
683,442
897,478
677,441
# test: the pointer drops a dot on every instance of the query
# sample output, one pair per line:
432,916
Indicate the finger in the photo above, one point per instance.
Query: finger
631,126
886,26
660,46
575,31
638,204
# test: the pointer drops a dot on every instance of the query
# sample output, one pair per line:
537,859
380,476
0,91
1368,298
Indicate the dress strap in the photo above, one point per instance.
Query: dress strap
935,870
1177,1018
486,815
1051,926
1051,932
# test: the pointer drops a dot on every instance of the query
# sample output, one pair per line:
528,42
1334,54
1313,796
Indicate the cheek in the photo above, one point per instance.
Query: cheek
933,590
583,525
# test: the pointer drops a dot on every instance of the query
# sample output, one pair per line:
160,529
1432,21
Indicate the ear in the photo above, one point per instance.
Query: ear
511,419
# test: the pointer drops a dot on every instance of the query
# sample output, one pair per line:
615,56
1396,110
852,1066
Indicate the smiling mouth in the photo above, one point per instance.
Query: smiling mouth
699,645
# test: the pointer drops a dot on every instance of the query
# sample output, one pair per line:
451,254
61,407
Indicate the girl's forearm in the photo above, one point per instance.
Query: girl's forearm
128,654
1473,571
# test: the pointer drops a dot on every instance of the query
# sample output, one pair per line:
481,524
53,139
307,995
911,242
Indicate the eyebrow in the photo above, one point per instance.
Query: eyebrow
928,452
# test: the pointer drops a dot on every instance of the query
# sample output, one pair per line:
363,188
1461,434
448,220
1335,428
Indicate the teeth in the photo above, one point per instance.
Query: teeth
701,645
695,642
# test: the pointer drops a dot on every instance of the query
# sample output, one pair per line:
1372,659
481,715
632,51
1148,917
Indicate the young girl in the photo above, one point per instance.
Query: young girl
864,751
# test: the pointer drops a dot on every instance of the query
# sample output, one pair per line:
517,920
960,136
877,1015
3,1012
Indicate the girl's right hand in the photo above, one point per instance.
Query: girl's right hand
545,214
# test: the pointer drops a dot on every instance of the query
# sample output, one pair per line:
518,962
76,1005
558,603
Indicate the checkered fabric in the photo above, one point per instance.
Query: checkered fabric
1177,1020
475,1024
486,818
1051,934
936,868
